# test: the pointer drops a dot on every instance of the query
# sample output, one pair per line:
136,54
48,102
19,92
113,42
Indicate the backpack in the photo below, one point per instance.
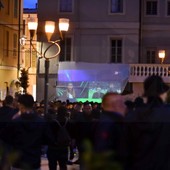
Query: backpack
63,138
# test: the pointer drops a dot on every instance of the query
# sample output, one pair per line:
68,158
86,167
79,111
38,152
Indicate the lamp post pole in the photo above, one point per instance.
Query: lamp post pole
47,64
49,29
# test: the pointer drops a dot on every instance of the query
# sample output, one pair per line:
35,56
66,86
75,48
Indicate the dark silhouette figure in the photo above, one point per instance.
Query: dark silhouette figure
6,114
146,139
109,129
25,135
139,102
58,152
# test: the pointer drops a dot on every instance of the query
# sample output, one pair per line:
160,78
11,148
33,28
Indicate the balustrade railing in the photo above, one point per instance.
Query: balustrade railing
140,71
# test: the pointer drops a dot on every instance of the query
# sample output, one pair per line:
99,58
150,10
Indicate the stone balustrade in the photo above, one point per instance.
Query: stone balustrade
138,72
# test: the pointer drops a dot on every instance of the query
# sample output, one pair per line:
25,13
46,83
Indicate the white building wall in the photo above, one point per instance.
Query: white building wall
92,26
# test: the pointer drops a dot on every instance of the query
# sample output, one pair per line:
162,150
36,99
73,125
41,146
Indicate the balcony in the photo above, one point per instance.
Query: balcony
138,72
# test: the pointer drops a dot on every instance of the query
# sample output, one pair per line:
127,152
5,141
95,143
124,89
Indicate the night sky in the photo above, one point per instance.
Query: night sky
29,3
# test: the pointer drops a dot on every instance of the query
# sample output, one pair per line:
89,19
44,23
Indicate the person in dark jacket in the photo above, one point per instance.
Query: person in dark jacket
109,129
59,151
7,111
146,142
84,126
25,135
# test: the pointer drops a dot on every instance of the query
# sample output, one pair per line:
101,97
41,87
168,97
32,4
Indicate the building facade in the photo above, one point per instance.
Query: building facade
109,31
10,30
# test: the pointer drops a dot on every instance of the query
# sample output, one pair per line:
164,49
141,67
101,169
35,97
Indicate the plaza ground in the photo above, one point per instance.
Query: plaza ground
44,165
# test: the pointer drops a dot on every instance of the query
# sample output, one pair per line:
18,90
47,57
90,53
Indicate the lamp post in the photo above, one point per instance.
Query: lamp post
49,29
161,55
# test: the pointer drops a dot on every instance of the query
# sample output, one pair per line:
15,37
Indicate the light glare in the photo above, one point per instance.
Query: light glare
161,53
63,24
49,26
32,23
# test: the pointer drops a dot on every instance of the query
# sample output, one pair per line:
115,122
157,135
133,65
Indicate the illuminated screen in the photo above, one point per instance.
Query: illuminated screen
89,82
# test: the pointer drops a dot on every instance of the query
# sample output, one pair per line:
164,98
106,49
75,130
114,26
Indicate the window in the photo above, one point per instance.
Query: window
116,51
150,55
65,54
16,8
15,41
7,44
14,45
24,28
7,9
151,7
116,6
66,5
14,52
168,8
1,5
34,58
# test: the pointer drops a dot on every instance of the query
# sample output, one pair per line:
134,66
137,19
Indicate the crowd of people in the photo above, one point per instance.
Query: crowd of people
115,134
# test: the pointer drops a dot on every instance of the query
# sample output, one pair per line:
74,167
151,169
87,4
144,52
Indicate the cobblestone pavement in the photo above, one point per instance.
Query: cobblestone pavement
44,165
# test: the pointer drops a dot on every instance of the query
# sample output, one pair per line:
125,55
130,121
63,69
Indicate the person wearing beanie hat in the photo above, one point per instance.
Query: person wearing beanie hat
146,141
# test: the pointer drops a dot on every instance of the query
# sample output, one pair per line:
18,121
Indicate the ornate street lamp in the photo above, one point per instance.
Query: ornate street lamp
161,55
49,29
